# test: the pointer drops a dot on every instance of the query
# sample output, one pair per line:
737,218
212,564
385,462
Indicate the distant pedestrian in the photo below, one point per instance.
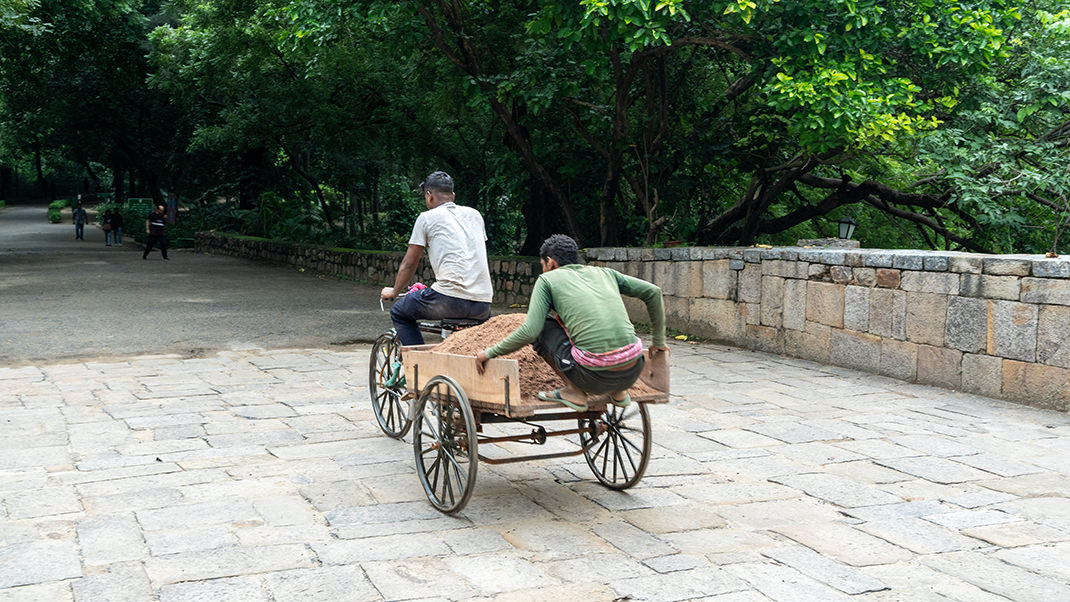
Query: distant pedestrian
80,218
154,226
117,228
108,226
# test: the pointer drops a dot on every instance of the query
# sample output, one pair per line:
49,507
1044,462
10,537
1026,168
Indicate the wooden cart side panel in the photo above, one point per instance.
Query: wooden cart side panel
489,387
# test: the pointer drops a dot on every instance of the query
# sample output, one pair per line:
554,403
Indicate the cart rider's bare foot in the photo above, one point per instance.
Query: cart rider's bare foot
577,400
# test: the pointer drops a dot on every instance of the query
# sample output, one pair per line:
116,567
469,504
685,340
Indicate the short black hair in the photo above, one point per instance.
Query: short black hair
439,181
560,248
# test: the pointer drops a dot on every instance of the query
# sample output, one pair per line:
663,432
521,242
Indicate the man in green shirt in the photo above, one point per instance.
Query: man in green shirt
588,339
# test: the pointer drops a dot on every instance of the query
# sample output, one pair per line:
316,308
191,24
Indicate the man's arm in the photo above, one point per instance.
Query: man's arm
405,272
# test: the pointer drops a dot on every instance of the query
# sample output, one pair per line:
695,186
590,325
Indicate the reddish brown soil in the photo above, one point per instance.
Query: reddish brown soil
535,374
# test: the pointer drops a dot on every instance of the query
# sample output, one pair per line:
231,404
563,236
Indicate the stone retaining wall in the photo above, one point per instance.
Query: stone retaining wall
997,325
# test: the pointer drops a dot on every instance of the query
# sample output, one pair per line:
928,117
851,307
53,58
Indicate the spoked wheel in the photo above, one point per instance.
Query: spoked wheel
621,444
387,385
445,444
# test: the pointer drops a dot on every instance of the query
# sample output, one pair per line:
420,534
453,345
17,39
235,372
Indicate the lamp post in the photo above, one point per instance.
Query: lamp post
847,228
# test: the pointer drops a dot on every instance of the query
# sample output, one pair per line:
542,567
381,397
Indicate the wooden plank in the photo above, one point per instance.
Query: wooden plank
489,387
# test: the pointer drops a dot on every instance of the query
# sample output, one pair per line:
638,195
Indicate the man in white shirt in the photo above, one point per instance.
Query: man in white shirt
455,239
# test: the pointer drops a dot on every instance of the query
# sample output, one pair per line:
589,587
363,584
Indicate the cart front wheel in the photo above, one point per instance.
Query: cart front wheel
386,382
445,442
617,444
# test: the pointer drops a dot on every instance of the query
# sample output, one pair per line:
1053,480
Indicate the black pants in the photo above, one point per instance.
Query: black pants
151,242
553,344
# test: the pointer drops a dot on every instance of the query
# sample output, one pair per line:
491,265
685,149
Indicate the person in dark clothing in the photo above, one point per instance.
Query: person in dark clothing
80,218
107,225
154,226
117,228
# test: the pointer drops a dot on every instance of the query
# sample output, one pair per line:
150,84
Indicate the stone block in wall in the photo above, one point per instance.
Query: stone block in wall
664,276
752,255
965,264
1046,291
810,255
750,283
1007,266
1051,268
936,263
752,312
888,278
1012,330
990,287
794,304
1038,385
856,308
878,260
680,254
688,278
764,338
736,264
880,312
908,261
718,279
636,310
899,359
781,268
940,366
855,259
824,303
834,256
817,271
678,313
982,374
930,282
812,343
772,305
855,350
719,319
840,274
714,253
1053,335
926,318
967,324
864,276
662,254
635,254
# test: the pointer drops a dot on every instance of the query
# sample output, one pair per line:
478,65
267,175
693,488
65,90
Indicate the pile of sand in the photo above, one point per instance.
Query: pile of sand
535,374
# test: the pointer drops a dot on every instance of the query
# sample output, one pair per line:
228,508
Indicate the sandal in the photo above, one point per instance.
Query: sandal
621,403
555,395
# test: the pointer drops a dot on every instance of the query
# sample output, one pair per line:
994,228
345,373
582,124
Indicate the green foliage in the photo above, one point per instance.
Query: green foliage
55,210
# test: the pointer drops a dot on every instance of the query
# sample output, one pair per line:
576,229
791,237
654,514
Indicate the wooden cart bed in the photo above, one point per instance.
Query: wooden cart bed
497,390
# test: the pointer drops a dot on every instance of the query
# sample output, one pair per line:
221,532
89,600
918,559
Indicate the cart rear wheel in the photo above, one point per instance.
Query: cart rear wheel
445,444
387,386
617,444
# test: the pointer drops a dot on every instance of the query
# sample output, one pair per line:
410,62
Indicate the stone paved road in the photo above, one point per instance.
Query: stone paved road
260,475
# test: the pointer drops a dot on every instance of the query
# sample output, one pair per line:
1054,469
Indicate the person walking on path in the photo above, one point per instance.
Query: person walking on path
108,226
80,218
154,226
456,242
117,228
588,339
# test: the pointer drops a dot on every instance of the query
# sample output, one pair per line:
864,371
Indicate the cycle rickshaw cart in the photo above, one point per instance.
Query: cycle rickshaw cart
450,403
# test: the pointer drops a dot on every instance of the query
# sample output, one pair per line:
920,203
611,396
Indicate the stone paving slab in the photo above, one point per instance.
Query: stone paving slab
261,475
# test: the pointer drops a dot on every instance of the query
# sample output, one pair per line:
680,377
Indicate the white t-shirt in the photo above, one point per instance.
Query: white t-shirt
455,239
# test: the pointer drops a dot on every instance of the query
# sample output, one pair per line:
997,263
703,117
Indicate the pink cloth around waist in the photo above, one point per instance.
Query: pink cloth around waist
608,359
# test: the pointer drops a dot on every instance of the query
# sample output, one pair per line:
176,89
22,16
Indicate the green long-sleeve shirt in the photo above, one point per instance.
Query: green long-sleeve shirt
588,301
